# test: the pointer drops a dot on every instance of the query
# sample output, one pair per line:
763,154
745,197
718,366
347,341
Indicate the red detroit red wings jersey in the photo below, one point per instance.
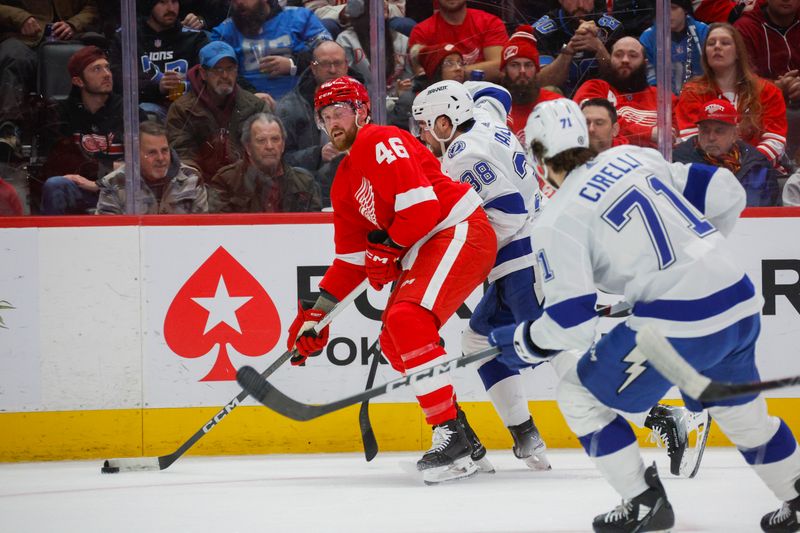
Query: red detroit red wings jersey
389,181
636,111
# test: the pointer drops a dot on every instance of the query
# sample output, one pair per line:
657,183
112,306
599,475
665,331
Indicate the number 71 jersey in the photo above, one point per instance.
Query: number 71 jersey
628,222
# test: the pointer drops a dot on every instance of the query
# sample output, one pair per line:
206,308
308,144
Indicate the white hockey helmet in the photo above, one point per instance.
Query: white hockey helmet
448,98
559,125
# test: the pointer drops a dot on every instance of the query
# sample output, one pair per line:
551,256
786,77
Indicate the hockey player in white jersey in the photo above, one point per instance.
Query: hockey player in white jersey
627,222
477,148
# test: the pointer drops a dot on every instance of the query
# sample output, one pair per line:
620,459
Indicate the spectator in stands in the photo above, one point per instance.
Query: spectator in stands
727,74
440,62
635,15
688,38
356,43
89,138
710,11
10,206
791,190
203,14
199,122
263,182
22,26
716,144
272,44
166,52
625,85
479,35
519,63
771,33
334,16
572,44
603,125
307,145
166,186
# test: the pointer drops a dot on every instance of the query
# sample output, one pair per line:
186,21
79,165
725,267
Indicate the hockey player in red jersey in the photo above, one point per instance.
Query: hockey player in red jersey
397,218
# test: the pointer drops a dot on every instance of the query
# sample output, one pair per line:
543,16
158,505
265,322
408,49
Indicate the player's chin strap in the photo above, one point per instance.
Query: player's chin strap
545,169
366,121
442,142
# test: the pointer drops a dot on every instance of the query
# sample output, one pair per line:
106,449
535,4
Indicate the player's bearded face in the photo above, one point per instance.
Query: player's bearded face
339,121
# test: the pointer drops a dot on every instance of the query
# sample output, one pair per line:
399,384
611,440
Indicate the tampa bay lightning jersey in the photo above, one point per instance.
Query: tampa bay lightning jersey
628,222
490,158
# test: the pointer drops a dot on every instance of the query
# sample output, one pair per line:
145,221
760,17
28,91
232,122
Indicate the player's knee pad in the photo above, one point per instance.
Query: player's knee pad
414,334
583,412
388,350
747,425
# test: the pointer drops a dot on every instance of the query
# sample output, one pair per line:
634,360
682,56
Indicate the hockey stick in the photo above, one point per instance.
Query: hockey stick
263,391
677,370
618,310
367,434
112,466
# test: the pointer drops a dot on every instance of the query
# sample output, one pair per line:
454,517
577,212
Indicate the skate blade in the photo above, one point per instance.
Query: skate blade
690,462
484,466
460,469
538,462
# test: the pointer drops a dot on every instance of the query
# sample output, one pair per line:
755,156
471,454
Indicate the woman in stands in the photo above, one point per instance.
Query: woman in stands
760,104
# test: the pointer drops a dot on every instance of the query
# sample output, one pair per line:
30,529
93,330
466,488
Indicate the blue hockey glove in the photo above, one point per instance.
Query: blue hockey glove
517,350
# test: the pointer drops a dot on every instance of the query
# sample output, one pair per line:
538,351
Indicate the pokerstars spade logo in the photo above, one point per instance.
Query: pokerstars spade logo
221,304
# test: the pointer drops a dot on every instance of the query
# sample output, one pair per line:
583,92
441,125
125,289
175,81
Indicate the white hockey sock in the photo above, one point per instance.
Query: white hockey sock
624,470
510,401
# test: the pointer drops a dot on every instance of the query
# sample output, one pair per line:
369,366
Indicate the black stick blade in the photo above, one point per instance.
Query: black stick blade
263,391
367,434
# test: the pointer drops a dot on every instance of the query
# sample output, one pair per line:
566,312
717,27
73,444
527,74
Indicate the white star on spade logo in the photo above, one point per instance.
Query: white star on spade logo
222,307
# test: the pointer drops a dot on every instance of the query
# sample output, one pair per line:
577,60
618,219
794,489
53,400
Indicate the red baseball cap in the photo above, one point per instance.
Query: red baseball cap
721,110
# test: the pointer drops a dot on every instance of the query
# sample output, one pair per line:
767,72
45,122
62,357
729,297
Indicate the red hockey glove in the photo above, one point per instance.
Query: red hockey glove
302,336
382,264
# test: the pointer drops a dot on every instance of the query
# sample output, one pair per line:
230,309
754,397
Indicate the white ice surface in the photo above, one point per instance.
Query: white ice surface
342,493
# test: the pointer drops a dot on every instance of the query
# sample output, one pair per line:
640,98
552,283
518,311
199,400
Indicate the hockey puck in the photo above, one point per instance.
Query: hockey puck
106,469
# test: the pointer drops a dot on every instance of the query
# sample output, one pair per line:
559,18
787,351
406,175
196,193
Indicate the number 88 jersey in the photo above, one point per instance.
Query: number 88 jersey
491,160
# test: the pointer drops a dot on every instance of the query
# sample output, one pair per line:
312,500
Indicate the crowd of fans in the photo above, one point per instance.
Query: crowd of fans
226,90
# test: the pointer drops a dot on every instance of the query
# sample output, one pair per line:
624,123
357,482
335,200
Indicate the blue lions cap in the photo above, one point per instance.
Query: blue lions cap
214,51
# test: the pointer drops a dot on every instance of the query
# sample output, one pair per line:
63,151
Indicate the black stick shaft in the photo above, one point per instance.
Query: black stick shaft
367,433
165,461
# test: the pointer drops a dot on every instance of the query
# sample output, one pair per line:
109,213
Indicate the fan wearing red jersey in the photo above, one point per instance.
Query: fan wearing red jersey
398,218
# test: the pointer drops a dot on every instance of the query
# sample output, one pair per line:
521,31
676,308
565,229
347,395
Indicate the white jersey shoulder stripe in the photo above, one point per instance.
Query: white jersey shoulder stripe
412,197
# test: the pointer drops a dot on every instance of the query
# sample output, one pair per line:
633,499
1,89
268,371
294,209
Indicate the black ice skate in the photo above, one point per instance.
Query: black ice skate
478,449
649,511
450,455
529,446
786,519
671,426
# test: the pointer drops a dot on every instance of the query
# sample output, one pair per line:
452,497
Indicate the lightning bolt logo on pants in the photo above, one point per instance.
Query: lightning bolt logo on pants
637,367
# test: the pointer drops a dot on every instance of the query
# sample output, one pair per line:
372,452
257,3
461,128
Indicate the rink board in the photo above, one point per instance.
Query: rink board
123,341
